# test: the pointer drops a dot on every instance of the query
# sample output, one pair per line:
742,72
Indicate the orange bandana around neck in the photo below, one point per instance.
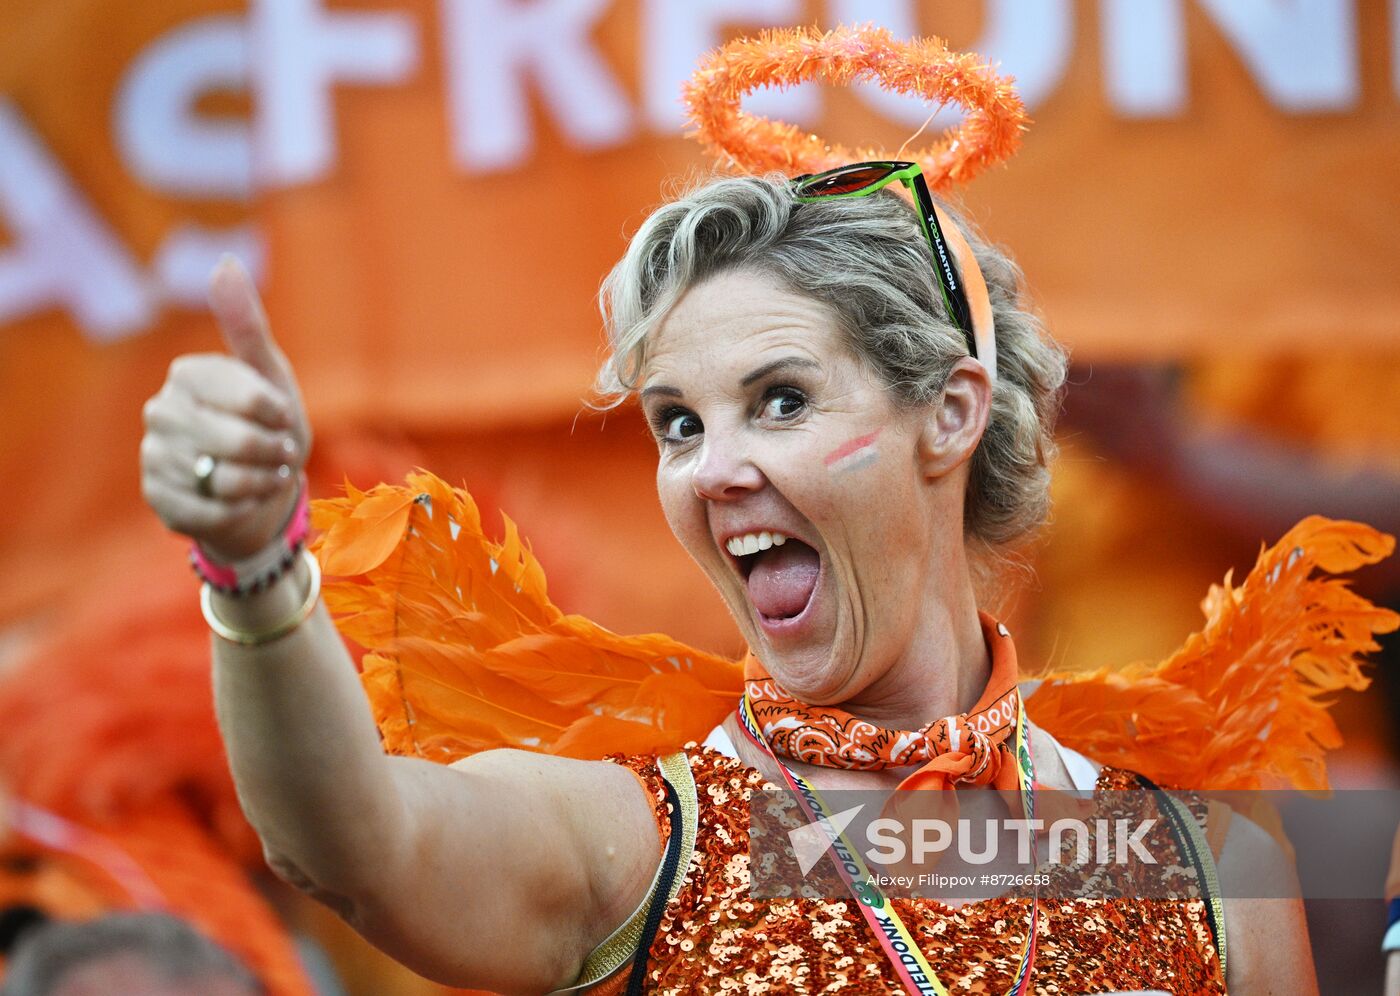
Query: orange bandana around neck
974,748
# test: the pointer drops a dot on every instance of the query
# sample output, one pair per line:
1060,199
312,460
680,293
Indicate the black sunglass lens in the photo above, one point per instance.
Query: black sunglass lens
844,182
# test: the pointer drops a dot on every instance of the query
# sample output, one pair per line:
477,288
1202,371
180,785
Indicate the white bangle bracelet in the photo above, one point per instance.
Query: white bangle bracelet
276,631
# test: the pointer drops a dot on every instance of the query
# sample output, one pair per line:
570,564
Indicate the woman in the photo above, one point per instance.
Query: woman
845,473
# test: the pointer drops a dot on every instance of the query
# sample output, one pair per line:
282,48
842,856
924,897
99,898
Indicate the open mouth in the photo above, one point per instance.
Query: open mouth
780,572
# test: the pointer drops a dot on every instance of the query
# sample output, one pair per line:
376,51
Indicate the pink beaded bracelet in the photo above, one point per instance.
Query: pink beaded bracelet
251,574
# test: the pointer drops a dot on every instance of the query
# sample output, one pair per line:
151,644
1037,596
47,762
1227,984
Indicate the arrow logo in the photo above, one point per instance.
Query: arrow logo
809,843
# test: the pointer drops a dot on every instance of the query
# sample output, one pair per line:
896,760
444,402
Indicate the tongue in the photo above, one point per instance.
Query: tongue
783,578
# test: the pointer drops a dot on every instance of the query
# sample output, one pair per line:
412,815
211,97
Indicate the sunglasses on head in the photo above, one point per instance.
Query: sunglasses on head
949,262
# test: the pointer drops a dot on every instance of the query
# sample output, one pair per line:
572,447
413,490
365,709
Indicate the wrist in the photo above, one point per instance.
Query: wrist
270,612
244,576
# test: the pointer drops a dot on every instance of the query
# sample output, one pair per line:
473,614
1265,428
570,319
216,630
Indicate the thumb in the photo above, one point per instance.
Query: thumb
234,300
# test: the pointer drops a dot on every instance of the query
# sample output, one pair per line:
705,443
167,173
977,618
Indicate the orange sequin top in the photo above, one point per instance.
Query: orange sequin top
714,938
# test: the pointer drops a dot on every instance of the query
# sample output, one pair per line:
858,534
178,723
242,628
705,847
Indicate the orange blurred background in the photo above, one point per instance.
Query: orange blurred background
1207,210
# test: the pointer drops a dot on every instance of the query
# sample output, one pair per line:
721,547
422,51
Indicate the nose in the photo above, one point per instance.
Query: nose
724,471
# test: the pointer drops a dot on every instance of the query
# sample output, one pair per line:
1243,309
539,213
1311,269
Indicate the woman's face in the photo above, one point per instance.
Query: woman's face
773,434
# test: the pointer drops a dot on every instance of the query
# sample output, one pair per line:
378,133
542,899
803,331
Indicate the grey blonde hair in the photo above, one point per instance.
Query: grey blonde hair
866,259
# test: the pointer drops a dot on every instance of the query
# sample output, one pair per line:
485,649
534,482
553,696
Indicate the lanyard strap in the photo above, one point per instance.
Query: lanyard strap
895,938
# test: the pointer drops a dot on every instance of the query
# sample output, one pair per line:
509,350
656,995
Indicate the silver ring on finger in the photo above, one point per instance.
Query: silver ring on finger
204,466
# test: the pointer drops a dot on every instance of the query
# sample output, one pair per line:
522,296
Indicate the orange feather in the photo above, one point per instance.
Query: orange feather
466,652
109,724
1243,704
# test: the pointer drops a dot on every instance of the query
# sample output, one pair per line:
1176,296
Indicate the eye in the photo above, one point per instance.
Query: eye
676,425
783,403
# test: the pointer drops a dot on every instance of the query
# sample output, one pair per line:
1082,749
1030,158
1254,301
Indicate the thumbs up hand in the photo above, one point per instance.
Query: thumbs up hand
227,434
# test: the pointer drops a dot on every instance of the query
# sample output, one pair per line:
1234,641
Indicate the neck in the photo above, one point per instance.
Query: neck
943,672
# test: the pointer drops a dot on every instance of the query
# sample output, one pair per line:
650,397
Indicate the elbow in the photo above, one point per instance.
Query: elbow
337,899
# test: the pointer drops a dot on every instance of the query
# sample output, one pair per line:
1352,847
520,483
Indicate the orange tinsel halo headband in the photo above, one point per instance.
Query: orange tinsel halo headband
989,134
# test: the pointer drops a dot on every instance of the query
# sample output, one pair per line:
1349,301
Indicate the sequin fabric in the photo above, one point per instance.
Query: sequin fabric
715,938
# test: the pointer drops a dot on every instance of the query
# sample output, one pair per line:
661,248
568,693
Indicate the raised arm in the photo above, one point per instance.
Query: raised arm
501,872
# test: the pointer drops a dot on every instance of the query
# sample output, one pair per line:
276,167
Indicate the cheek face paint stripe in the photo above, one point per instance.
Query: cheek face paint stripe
854,462
853,453
850,446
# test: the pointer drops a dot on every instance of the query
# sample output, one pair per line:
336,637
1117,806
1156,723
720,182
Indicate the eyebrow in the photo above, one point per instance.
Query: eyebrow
660,389
785,363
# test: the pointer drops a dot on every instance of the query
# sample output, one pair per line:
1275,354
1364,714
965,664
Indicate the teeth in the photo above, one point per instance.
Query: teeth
749,543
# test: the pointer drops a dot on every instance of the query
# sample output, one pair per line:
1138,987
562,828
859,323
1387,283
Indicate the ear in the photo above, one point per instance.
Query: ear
954,425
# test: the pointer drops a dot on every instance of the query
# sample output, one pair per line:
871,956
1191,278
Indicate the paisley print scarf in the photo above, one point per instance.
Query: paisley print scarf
974,748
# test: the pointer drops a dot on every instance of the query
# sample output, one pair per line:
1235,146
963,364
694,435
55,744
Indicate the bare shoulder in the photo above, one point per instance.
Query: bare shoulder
601,807
1267,939
517,865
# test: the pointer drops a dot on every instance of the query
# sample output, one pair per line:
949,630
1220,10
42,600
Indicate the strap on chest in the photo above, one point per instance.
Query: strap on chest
630,942
1191,840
